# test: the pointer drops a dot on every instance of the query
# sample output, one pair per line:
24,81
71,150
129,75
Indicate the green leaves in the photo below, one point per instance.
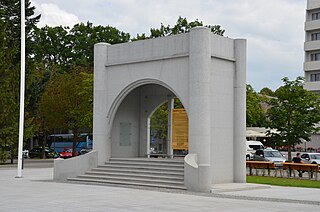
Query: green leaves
255,114
182,26
10,72
67,101
67,47
294,113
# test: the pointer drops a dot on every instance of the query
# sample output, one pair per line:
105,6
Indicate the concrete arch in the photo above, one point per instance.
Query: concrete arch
132,114
130,87
205,71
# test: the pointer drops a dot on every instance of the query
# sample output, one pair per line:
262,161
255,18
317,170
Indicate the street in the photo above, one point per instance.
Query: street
30,163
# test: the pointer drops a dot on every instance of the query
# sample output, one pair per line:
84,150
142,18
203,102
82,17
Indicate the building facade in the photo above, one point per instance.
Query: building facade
312,46
312,57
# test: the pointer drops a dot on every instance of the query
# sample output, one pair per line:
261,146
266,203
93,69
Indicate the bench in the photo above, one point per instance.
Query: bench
310,168
260,165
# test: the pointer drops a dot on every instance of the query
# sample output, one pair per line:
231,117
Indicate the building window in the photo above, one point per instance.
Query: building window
315,77
315,16
315,36
315,57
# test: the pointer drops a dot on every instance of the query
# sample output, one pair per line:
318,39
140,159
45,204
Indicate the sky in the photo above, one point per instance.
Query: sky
274,29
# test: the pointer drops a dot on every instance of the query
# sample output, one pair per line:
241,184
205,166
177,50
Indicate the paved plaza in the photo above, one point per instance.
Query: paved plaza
37,192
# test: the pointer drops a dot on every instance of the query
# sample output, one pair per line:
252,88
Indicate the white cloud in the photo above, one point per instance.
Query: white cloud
52,15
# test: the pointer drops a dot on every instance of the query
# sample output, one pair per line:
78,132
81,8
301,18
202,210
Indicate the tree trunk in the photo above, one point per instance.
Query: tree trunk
289,153
44,143
74,143
11,153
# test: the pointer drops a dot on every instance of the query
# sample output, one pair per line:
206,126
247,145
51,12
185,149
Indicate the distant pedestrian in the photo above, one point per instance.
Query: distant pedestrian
297,159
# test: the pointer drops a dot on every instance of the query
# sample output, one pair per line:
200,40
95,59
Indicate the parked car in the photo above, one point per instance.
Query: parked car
85,151
37,153
67,153
25,153
252,146
269,154
311,157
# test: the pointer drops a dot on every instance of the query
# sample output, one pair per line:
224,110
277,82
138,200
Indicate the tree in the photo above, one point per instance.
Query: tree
294,114
266,91
66,47
182,26
10,72
67,102
84,36
159,122
255,116
53,46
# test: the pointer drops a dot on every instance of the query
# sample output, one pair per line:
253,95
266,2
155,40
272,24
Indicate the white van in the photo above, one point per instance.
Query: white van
252,146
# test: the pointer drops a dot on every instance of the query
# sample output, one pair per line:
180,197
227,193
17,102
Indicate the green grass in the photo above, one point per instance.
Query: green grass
283,181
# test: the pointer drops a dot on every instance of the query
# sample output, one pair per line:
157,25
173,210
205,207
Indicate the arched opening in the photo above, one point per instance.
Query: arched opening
131,132
162,138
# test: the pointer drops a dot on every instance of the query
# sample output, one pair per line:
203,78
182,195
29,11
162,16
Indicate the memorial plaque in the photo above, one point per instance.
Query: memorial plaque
125,134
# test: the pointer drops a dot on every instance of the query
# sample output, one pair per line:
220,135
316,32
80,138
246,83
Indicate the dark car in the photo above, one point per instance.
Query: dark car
37,153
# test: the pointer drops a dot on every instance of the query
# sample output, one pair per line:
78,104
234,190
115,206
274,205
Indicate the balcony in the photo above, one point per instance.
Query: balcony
312,66
312,86
313,4
312,25
312,45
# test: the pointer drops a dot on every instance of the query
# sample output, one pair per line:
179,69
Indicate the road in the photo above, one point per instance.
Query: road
30,163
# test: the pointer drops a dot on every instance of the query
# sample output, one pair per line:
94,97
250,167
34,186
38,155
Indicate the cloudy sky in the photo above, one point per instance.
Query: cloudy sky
274,28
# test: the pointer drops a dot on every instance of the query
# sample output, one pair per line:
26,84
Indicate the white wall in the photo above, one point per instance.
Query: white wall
222,75
128,113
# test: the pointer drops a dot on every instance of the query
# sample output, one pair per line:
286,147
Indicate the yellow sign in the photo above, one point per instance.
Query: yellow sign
180,129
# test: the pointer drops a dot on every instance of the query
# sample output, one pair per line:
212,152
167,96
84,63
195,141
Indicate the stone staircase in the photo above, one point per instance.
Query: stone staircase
150,172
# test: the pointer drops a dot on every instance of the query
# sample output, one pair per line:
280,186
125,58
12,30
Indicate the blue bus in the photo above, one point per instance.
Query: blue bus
59,142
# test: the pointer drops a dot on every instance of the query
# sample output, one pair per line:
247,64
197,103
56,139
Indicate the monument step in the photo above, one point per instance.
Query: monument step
136,175
162,173
141,179
125,183
146,162
142,167
139,171
149,160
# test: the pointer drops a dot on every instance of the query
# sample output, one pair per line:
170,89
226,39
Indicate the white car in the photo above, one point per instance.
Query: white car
311,157
252,146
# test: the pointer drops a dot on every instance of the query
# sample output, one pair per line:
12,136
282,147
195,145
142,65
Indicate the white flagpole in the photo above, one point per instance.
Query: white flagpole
22,88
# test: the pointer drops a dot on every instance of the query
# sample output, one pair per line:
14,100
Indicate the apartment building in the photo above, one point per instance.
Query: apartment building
312,46
312,57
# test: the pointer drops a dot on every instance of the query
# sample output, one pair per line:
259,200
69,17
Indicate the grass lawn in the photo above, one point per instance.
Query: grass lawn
283,181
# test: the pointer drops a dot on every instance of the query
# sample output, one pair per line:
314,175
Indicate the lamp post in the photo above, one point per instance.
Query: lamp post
22,89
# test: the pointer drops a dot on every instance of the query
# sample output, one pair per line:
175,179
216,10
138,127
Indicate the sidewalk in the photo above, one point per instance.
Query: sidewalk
37,192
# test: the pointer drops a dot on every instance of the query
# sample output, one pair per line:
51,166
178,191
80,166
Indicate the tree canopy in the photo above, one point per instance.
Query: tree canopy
182,26
255,115
10,73
294,114
266,91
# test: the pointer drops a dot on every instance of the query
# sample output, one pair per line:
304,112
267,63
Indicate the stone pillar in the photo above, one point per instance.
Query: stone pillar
199,106
169,135
101,128
240,111
148,137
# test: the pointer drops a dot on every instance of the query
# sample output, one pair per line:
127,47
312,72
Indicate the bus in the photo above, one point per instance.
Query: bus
60,142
